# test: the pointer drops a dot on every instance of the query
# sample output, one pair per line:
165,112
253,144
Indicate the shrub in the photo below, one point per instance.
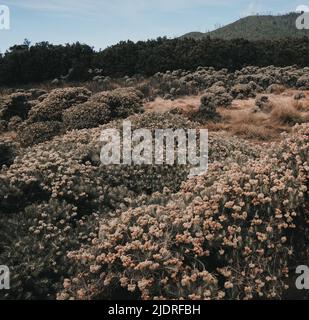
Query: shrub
214,98
86,115
226,235
16,104
303,82
14,123
34,133
39,239
58,100
208,105
299,96
264,104
122,102
244,91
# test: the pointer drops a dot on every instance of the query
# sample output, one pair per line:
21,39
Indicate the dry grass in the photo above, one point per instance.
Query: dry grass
285,114
282,113
302,106
187,104
250,125
252,131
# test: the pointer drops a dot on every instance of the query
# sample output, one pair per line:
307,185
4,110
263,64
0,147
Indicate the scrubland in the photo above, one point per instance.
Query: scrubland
71,228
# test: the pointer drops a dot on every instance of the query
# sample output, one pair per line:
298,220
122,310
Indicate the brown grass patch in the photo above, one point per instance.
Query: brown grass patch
188,104
251,131
301,105
285,113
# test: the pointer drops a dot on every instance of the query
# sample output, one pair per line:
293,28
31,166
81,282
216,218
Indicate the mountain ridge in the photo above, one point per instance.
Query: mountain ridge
254,28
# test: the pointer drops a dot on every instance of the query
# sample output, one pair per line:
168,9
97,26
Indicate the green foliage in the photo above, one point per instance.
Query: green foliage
43,61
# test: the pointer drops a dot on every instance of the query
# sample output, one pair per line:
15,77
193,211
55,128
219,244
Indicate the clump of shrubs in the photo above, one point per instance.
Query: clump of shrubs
299,96
86,115
227,235
208,106
275,89
58,100
39,243
245,91
104,107
303,82
122,102
34,133
216,96
263,104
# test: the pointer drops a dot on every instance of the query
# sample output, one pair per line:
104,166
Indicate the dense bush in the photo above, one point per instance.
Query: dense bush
53,194
244,91
216,96
58,100
34,133
43,61
122,102
43,235
226,235
86,115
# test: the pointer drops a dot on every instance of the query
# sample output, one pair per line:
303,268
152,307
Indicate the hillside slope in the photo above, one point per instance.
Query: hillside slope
256,28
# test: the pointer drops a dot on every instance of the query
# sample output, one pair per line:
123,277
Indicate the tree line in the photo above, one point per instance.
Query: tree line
25,64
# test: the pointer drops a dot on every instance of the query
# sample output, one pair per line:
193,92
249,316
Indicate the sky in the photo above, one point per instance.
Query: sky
101,23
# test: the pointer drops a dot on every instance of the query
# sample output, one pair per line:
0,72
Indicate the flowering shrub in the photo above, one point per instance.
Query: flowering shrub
122,102
225,235
41,237
241,84
65,176
58,100
73,228
86,115
34,133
